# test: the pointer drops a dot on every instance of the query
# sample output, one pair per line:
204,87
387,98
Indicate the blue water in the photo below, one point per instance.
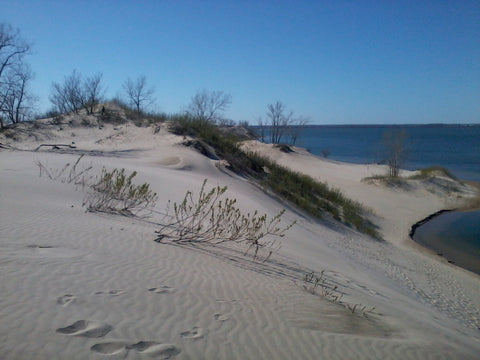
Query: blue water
457,148
455,235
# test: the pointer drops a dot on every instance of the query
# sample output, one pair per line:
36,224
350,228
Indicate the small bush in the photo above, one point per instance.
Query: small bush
115,193
212,219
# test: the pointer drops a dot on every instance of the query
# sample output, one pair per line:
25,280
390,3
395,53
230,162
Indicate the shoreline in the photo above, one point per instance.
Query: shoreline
445,251
436,214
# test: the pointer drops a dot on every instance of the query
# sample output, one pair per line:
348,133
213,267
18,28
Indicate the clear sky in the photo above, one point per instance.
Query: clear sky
335,61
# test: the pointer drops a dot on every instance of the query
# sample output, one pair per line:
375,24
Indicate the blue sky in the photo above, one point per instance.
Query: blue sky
337,62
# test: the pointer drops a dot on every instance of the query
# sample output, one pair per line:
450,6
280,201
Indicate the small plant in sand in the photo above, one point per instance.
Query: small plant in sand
211,218
360,309
70,173
115,192
314,283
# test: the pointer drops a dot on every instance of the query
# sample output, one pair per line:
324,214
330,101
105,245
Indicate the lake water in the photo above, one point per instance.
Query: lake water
455,147
455,235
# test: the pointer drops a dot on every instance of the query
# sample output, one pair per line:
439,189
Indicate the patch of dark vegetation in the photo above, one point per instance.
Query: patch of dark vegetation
223,142
202,147
389,181
315,197
284,148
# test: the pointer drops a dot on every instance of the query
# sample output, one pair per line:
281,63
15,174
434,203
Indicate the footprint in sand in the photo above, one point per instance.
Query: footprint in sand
110,348
220,317
111,292
194,333
66,300
151,348
162,290
86,328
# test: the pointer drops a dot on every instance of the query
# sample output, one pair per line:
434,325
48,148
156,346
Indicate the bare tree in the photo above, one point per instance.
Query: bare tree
12,48
18,102
296,127
396,151
67,97
280,118
75,93
138,94
12,52
92,92
209,105
261,124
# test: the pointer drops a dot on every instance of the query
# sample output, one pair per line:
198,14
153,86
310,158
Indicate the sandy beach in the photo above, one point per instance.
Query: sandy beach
85,285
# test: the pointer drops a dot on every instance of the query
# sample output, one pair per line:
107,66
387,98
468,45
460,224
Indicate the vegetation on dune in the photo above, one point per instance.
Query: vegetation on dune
422,174
314,197
433,171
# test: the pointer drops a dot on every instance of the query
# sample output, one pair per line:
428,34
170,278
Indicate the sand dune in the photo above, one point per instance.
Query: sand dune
81,285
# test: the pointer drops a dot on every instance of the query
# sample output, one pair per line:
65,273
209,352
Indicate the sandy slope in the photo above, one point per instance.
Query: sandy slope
78,285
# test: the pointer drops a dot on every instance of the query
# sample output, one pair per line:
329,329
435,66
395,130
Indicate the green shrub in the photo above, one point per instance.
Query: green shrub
115,193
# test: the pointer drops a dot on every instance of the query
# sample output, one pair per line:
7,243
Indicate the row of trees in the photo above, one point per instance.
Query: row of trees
77,93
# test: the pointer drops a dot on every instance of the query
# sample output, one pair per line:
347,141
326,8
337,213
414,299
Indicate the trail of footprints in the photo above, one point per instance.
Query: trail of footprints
96,329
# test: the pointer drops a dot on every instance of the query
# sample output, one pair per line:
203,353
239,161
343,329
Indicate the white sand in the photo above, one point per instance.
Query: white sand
79,285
